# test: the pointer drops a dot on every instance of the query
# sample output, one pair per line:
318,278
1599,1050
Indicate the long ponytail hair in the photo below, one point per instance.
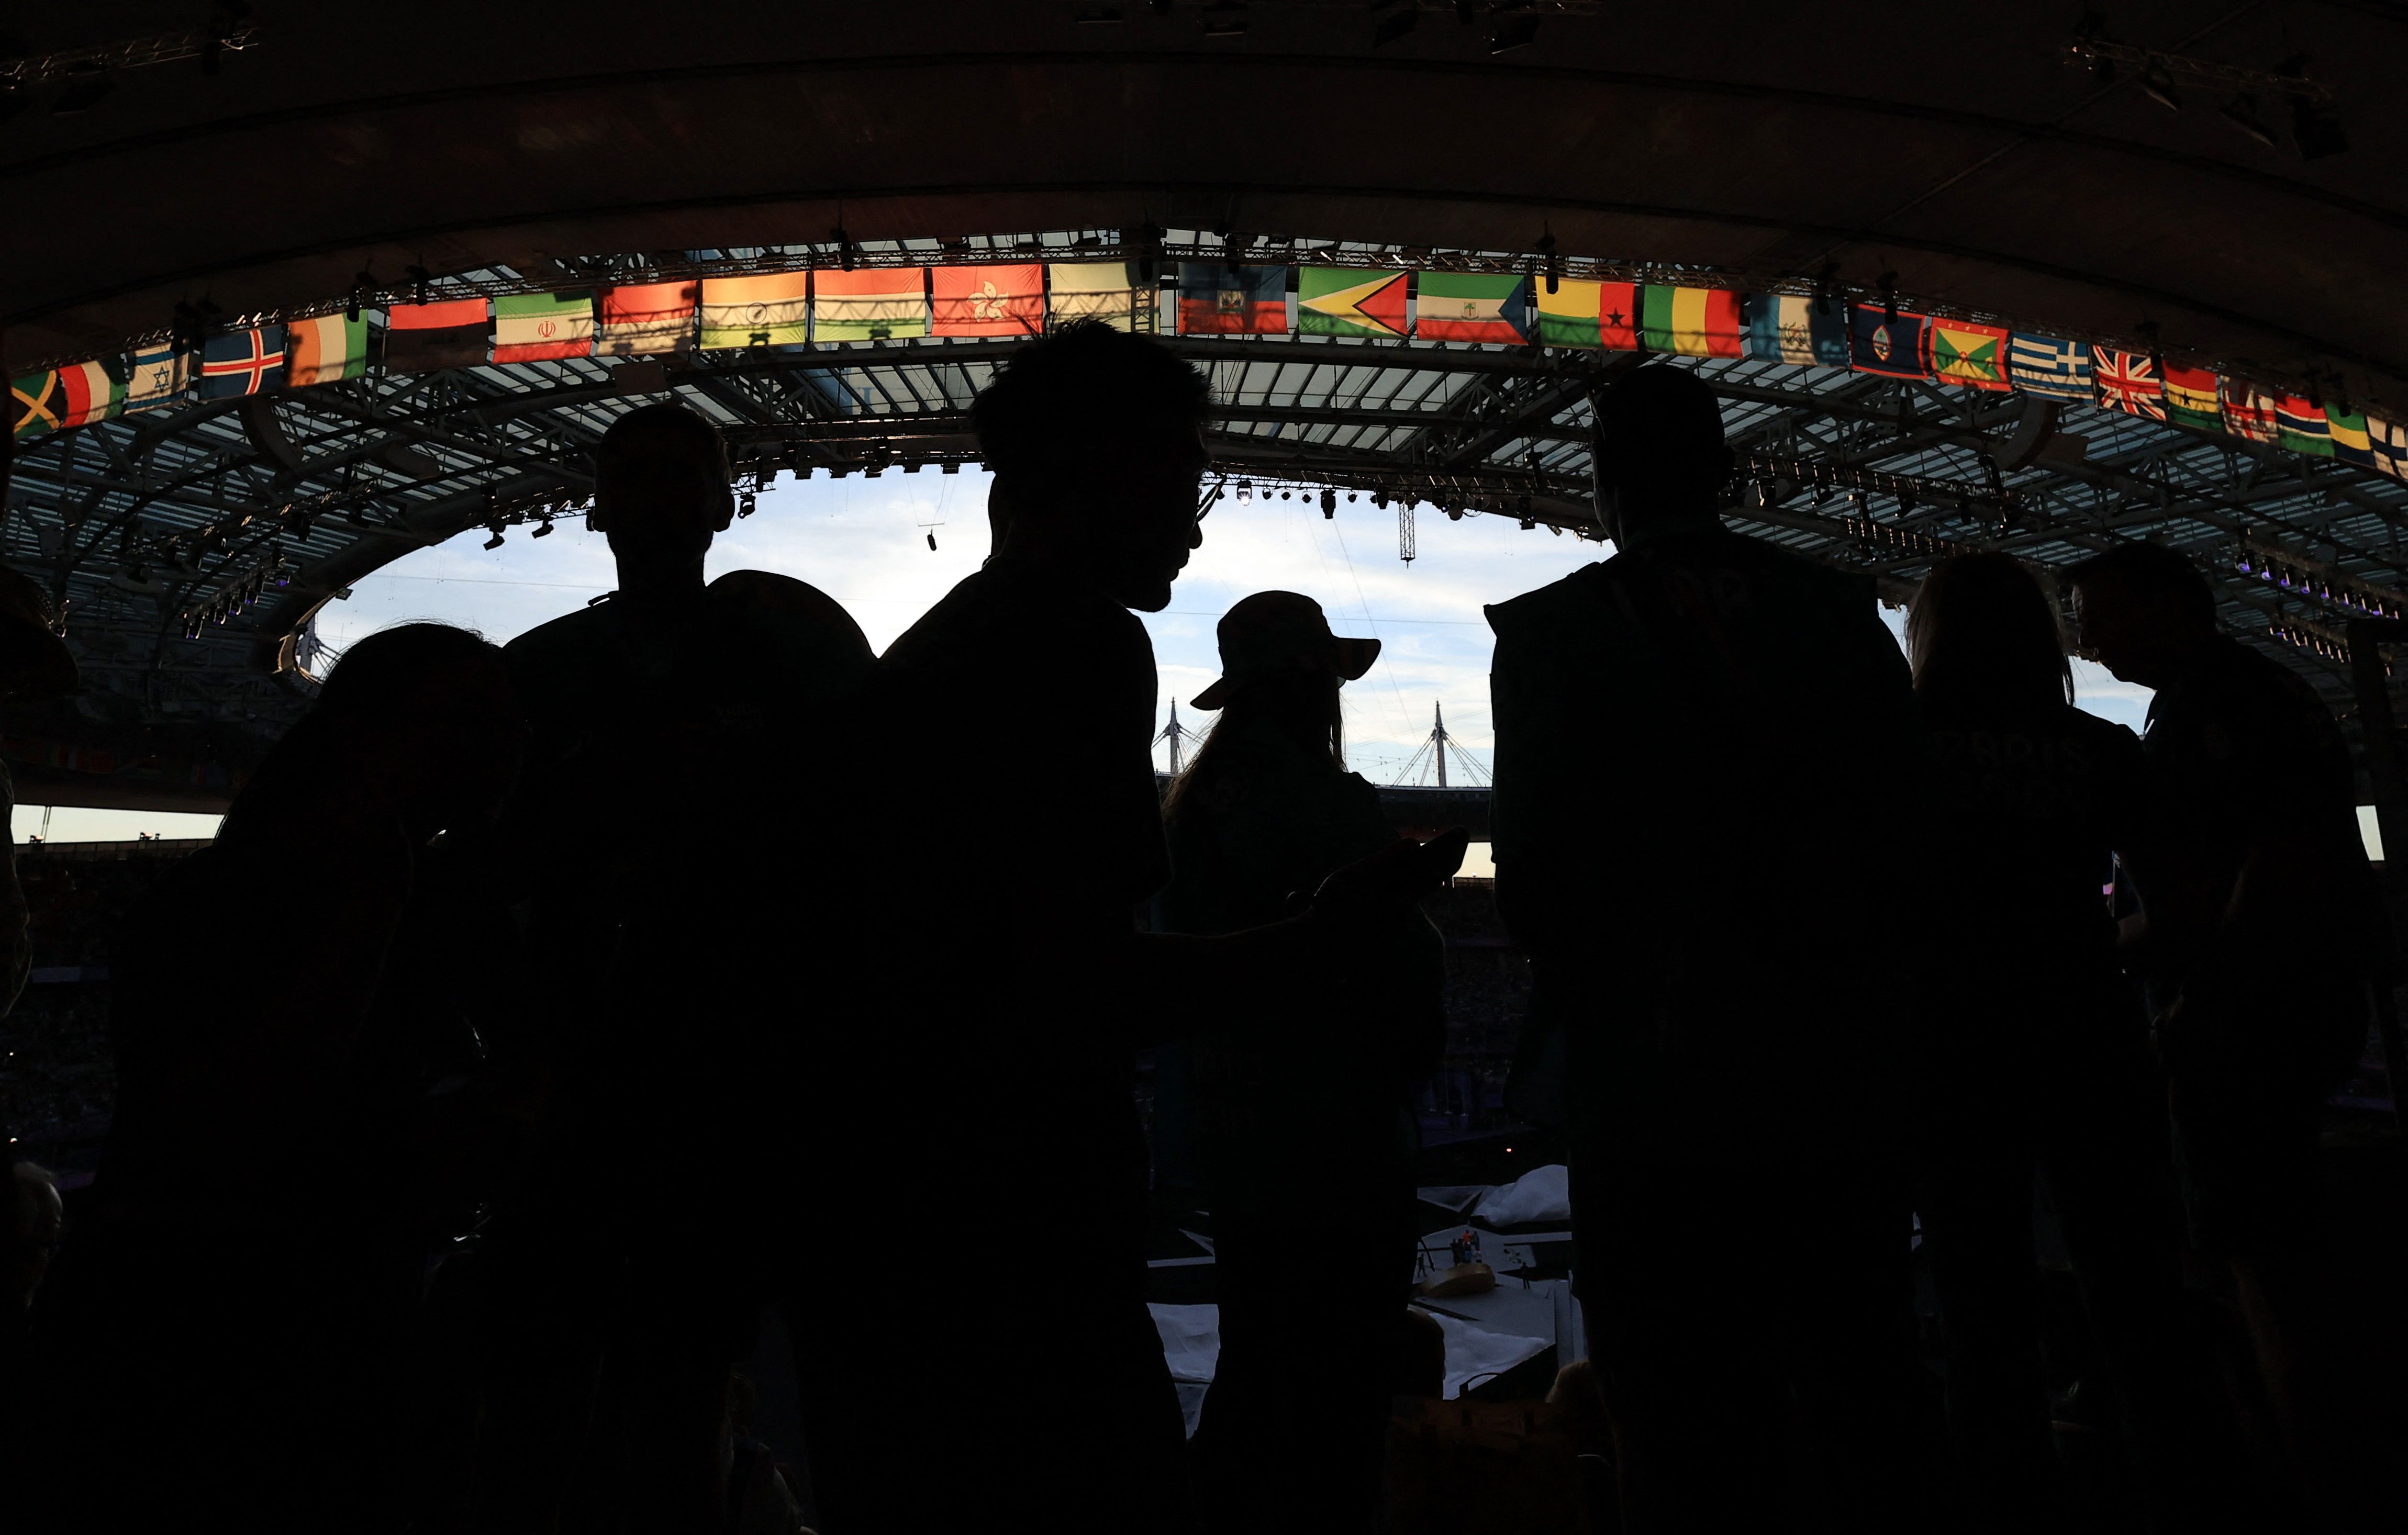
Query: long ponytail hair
1300,703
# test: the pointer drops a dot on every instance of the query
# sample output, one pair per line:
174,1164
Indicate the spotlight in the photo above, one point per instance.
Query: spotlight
1245,491
542,529
1329,502
1349,495
744,506
2242,112
496,541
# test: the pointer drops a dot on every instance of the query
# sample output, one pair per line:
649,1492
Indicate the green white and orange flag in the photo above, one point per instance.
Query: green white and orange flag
1964,352
882,303
1110,291
325,348
1343,301
1689,321
538,327
75,395
774,310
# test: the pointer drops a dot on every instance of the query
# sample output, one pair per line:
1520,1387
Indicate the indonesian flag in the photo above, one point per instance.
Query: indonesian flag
537,327
1005,300
883,304
424,338
642,318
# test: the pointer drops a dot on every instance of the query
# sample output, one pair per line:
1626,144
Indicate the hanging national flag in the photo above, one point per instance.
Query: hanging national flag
1789,328
741,312
1964,352
2300,426
422,338
325,348
1220,300
537,327
2249,413
1006,299
1344,301
880,304
1473,306
2347,431
2388,440
646,318
157,377
1689,321
2128,381
76,395
1596,316
1888,342
2193,398
2044,366
245,362
1109,291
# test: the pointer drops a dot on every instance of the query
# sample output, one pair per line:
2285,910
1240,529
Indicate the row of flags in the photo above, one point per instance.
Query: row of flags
1013,299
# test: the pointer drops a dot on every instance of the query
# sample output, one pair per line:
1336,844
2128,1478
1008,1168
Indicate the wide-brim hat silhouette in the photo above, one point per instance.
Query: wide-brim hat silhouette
1283,631
34,663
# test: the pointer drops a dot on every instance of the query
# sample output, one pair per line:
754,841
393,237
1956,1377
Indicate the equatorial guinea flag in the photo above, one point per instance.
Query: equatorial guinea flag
880,303
1006,299
538,327
1689,321
1796,328
1493,307
422,337
1110,293
324,349
1346,301
1220,300
645,319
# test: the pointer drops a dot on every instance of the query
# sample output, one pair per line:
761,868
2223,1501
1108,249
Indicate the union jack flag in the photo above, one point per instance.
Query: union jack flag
2128,381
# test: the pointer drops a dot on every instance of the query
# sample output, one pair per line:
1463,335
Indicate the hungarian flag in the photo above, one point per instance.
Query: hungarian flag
246,361
2389,442
325,348
883,304
1788,328
644,318
2044,366
2192,397
1002,300
422,338
1473,306
537,327
1343,301
1689,321
1219,300
1108,292
74,395
1888,342
1963,351
2128,381
2300,426
156,377
2346,429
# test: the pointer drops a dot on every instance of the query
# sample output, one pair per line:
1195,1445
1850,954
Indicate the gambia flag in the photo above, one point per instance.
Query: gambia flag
1108,292
325,348
2346,430
1886,342
1473,306
1219,300
1597,316
247,362
1006,299
2192,397
1343,301
2389,442
1689,321
156,377
2300,426
75,395
882,303
537,327
646,318
1965,352
740,313
2044,366
422,337
1788,328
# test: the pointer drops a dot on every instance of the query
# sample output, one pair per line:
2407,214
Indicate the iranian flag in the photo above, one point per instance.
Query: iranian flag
1001,300
1689,321
644,318
883,304
325,348
537,327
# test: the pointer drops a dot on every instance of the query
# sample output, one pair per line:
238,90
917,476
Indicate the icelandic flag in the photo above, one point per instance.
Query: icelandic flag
1219,300
1788,328
157,377
2044,366
1886,342
245,362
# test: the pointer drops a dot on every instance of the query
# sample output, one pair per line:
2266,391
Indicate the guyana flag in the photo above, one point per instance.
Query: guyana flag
2192,397
1473,306
878,304
2346,430
537,327
325,348
646,318
1965,352
1597,316
1004,299
1689,321
74,395
1343,301
2248,411
2300,426
757,311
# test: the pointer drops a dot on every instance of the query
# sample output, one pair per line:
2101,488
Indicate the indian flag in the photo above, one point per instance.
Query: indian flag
1689,321
885,304
537,327
757,311
1106,290
325,348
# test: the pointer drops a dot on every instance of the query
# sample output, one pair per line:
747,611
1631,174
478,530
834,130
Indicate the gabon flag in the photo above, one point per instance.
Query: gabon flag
1006,299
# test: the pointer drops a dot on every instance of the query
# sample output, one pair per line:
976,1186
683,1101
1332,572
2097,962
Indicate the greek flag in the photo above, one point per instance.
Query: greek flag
2042,365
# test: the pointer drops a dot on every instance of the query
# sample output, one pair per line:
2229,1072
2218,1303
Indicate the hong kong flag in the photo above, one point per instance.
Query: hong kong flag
1004,300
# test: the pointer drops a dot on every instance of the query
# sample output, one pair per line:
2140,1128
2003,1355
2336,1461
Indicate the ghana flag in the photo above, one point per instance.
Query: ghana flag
325,348
1966,353
2248,411
2192,397
1790,328
422,337
1493,307
880,303
1343,301
2300,426
773,310
646,318
1884,341
1110,293
158,377
1221,300
248,362
73,396
537,327
2347,431
1689,321
1005,299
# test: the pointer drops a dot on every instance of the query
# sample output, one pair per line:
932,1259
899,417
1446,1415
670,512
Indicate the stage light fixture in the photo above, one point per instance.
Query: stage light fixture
2242,112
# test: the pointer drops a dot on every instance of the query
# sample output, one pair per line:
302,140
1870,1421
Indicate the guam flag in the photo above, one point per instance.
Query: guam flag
537,327
1341,301
247,362
2347,431
325,348
1788,328
1689,321
74,395
1006,299
1472,307
157,377
1218,300
2059,370
1886,342
2128,381
422,337
2388,442
1965,352
2300,426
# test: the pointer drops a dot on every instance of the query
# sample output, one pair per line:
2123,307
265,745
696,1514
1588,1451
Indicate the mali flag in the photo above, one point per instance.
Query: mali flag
1886,342
422,338
1788,328
1108,292
1689,321
1343,301
1473,306
537,327
646,318
2192,397
325,350
1005,299
2300,426
2346,430
74,395
1218,300
1965,352
741,312
880,303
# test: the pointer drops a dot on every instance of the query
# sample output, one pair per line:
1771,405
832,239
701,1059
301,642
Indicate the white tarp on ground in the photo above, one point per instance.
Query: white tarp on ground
1542,1194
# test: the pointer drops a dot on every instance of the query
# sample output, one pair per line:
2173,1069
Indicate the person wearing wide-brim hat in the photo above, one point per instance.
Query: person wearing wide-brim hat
1302,1137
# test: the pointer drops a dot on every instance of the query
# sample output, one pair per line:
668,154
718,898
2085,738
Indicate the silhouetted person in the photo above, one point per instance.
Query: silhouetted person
983,1095
239,1297
2262,935
1307,1142
2034,1050
680,694
1700,744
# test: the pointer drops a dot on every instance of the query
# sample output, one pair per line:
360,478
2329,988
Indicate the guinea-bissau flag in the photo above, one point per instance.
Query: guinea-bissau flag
324,349
2302,426
1689,321
646,318
771,310
74,395
157,377
875,304
1005,299
1791,328
2193,398
1110,293
2248,411
1599,316
2347,431
1884,341
538,327
1215,299
244,361
1963,351
422,338
1492,307
1346,301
